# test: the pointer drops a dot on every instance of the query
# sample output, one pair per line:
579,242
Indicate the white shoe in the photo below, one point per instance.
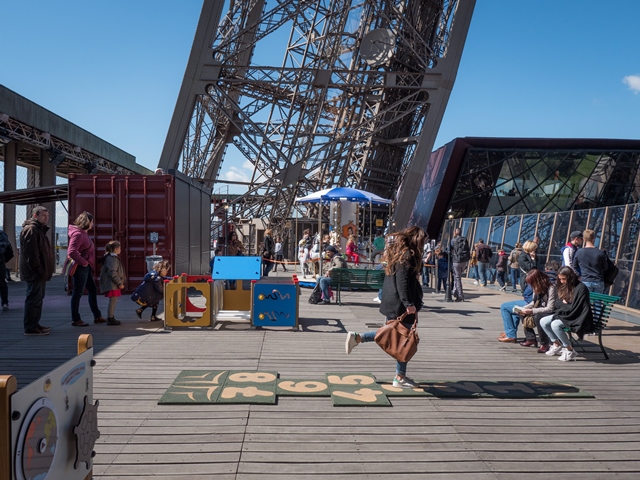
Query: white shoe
350,343
567,355
406,382
554,350
502,289
475,283
376,300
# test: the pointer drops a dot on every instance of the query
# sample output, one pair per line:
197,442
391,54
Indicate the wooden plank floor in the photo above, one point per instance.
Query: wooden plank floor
301,438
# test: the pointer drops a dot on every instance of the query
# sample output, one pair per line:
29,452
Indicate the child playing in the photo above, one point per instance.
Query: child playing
351,249
112,277
151,291
443,270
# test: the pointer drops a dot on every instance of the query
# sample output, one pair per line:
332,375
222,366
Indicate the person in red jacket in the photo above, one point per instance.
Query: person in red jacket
83,253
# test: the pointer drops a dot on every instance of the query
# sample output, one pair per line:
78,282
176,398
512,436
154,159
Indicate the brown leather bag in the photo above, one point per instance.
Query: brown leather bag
397,340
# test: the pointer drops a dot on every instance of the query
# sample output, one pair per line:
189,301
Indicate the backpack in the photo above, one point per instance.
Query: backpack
610,273
316,295
461,249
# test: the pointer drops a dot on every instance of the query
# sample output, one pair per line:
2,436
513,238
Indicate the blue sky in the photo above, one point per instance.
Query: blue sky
544,68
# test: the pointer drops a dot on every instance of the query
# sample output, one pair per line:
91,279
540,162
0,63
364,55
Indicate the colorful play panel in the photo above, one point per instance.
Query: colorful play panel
275,303
345,389
49,428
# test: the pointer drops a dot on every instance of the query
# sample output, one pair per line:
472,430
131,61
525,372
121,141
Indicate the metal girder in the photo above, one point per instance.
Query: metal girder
327,115
76,159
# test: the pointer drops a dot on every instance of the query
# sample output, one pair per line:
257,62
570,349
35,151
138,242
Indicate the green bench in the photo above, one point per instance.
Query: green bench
601,306
357,278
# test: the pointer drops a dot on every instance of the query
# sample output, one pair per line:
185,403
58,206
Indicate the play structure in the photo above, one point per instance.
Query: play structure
49,428
235,293
275,303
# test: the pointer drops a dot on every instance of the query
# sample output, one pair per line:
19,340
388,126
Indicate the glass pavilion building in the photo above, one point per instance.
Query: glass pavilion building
512,190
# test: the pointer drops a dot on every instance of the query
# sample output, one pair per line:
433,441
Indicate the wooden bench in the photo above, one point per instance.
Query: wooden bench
359,278
601,306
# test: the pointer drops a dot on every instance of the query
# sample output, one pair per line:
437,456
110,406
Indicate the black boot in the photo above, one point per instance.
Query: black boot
112,321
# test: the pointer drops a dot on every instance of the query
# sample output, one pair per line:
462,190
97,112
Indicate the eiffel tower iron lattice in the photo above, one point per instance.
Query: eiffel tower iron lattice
357,98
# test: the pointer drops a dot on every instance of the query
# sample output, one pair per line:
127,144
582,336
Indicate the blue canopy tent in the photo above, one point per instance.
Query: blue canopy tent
337,194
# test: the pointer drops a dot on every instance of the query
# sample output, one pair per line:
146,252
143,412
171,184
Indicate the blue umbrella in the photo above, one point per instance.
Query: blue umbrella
337,194
343,193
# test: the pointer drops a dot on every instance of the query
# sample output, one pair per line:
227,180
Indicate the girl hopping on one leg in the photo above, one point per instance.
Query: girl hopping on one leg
112,277
151,291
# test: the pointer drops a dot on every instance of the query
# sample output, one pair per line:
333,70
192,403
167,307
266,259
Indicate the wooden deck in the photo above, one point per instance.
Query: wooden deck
300,438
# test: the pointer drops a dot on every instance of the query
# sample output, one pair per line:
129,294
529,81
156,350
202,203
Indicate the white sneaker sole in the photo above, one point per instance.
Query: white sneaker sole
350,343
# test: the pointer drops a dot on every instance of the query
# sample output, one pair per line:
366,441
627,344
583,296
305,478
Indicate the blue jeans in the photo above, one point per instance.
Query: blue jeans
515,278
267,265
473,272
81,279
426,275
554,329
595,287
324,283
483,272
33,304
492,274
510,320
500,276
401,367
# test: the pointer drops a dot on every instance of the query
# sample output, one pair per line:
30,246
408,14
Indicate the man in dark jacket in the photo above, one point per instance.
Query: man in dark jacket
484,254
36,268
460,255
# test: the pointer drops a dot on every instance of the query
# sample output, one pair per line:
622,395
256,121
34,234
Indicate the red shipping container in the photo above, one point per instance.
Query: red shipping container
127,208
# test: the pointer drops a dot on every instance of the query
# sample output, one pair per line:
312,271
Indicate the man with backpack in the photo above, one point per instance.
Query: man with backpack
592,263
460,255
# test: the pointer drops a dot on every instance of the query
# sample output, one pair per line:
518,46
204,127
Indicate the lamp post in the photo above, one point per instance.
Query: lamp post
450,273
225,229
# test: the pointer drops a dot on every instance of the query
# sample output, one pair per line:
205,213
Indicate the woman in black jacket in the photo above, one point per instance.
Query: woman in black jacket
573,310
267,253
527,261
401,291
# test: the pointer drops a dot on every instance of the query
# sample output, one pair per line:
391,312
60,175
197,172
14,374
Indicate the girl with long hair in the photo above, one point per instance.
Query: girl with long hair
543,304
401,291
573,311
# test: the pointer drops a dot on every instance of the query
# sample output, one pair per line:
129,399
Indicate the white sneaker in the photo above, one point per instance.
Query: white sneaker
350,343
554,350
376,300
406,382
475,282
567,355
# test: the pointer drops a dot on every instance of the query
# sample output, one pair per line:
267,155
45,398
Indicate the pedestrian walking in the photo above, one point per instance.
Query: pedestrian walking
401,292
279,255
460,256
483,254
501,269
267,253
591,262
514,266
151,291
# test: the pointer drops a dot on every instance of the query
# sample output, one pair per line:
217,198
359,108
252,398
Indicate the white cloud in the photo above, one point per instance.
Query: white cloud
633,82
235,174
